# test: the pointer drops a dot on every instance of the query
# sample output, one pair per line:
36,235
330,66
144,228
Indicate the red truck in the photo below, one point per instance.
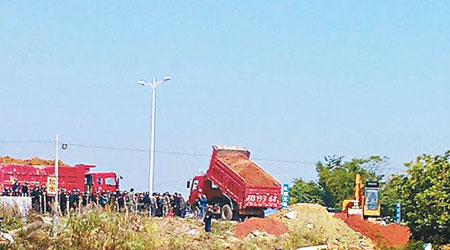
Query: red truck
237,184
70,177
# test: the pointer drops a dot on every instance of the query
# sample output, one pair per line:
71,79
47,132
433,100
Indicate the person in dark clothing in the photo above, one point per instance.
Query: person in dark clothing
15,187
159,201
85,198
176,204
208,218
63,202
49,201
216,211
94,197
181,205
35,195
25,191
146,201
120,201
5,192
74,199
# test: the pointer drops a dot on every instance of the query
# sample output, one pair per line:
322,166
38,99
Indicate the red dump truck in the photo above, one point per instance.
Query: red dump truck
70,177
240,187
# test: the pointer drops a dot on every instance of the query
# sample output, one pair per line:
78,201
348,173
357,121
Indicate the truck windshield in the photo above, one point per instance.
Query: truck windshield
194,184
110,181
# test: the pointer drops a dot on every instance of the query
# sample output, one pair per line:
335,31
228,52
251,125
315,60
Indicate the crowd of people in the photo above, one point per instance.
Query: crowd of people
158,205
161,205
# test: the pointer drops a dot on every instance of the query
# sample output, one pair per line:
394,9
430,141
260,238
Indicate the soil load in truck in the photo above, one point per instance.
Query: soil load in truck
36,172
247,169
237,184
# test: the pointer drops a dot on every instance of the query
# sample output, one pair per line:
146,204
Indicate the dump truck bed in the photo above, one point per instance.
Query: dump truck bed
69,177
242,179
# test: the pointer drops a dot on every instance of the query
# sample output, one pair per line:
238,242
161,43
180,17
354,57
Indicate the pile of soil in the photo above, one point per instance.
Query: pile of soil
247,169
35,161
392,235
315,226
271,226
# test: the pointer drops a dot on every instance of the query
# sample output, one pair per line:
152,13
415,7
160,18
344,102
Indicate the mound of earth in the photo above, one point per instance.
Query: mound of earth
271,226
391,235
315,226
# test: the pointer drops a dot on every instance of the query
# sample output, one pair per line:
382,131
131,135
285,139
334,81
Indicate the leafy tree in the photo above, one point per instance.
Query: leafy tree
391,194
337,177
425,197
305,192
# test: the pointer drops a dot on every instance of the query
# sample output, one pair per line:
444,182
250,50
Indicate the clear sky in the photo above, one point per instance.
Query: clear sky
291,80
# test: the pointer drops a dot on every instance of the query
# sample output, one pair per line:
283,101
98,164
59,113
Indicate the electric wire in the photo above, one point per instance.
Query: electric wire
156,151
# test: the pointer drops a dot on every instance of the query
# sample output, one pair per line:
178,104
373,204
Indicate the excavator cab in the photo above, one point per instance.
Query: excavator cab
372,207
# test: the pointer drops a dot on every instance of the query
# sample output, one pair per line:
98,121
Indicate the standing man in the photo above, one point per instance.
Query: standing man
153,204
63,201
15,188
176,204
165,204
120,201
35,198
25,191
181,205
203,203
208,218
85,198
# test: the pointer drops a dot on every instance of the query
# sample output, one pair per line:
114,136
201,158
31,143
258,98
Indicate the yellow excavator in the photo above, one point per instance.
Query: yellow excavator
366,200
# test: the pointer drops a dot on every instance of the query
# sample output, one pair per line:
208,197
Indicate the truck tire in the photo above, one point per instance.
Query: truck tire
227,213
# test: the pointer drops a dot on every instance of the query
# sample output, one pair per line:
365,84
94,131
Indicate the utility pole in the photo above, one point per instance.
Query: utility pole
56,207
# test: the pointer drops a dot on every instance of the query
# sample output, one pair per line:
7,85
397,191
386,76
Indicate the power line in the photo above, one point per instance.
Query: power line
182,153
156,151
23,141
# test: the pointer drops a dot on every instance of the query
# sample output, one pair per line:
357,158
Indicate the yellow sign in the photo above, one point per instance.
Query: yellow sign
51,185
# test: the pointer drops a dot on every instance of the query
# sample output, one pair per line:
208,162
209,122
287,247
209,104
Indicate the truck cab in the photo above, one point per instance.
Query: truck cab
101,182
201,185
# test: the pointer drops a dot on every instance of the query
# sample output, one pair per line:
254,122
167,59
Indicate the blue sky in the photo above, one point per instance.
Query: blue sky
292,80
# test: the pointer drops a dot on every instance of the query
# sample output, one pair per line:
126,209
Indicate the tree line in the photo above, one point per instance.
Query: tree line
423,191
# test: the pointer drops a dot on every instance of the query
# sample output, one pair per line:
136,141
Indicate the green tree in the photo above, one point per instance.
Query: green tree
391,194
425,197
337,177
305,192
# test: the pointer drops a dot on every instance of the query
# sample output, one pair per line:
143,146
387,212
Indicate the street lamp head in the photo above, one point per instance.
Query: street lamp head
141,82
167,78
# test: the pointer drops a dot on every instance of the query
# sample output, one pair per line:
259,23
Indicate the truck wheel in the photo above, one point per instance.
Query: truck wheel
227,213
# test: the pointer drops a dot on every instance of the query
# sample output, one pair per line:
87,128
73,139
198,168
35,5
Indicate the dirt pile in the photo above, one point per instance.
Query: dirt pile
271,226
35,161
392,235
246,168
315,226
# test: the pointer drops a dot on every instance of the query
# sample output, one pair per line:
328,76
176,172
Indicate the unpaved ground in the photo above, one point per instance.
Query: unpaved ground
96,229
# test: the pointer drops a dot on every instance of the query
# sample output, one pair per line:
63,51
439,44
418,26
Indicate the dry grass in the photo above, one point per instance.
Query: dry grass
108,230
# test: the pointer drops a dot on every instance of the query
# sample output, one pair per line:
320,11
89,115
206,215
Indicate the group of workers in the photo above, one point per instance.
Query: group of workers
160,205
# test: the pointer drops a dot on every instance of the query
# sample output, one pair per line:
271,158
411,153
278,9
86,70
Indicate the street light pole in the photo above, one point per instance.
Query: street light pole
152,138
153,85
